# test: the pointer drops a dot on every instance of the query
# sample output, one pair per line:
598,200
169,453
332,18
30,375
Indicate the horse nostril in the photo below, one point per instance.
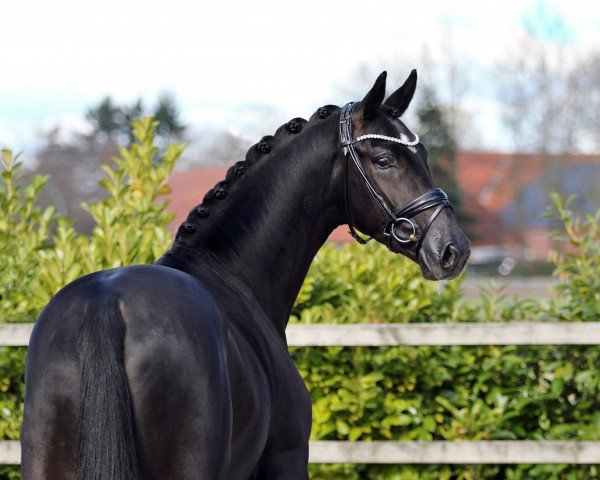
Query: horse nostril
450,257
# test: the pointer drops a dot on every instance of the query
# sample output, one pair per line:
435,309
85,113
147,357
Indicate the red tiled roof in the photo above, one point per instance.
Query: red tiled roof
188,189
489,182
494,179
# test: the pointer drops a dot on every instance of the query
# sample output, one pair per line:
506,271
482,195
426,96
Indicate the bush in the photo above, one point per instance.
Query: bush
40,251
451,393
396,393
578,261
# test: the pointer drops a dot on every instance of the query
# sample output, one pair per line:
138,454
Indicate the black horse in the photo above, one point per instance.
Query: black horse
180,370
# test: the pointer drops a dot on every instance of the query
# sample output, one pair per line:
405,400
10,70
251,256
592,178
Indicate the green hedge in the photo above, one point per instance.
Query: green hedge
452,393
395,393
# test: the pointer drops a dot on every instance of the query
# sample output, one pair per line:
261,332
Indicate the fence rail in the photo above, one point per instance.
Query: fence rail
391,334
457,452
416,452
420,452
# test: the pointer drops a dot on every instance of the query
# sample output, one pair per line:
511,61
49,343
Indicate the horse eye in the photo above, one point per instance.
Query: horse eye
383,162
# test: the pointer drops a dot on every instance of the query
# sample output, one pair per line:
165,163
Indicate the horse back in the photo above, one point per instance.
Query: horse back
150,298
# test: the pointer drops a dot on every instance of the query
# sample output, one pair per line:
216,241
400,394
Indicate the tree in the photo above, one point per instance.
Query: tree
111,122
74,163
550,98
106,118
550,94
166,113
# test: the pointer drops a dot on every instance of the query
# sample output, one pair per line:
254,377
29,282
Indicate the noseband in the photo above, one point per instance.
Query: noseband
434,198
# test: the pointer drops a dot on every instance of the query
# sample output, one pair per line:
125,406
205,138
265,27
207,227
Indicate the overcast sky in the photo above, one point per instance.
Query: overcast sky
224,59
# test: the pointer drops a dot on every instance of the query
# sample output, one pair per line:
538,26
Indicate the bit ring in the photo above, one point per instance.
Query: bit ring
411,238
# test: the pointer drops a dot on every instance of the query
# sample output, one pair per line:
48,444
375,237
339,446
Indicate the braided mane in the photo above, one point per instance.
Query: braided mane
255,154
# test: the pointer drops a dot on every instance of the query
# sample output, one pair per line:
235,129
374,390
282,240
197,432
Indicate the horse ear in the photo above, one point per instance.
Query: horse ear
373,98
400,99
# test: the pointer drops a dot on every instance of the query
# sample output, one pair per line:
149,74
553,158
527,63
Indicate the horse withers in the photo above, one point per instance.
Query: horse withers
180,370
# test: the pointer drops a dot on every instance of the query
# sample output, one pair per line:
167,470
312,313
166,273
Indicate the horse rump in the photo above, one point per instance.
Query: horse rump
78,419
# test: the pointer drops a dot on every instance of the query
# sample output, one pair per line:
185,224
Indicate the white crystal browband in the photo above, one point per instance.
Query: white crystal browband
376,136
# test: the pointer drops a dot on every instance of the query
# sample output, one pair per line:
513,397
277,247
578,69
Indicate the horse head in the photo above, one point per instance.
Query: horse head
389,193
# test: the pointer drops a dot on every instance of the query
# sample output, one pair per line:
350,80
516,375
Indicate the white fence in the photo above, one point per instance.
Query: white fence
396,334
416,452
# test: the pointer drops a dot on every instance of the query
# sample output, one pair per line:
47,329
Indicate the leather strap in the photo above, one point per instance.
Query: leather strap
436,197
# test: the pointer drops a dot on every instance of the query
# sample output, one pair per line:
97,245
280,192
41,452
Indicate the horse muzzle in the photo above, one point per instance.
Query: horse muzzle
446,262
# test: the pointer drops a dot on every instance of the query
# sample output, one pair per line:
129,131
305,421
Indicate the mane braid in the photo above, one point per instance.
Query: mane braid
255,154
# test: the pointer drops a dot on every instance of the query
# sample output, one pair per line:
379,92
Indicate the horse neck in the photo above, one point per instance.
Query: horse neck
263,236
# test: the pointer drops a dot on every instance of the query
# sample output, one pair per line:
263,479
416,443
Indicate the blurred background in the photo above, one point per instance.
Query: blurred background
508,100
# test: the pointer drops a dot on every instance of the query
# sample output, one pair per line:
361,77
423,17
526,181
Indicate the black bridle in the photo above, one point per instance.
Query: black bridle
434,198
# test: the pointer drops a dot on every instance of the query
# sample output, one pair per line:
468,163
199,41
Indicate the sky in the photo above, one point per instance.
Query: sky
227,63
